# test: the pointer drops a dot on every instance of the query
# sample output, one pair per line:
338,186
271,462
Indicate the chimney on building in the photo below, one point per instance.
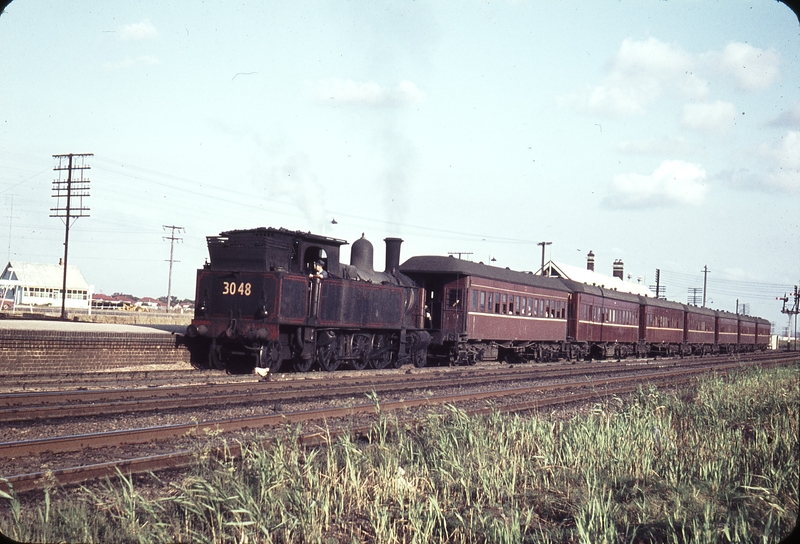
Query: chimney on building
590,261
618,269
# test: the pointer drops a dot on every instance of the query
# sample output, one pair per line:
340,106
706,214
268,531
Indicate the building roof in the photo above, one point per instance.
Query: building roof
589,277
43,275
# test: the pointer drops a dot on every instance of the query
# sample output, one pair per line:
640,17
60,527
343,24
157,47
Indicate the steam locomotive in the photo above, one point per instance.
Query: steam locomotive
261,304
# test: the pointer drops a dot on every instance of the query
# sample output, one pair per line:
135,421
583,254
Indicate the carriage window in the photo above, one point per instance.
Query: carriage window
490,302
454,298
505,302
483,301
474,300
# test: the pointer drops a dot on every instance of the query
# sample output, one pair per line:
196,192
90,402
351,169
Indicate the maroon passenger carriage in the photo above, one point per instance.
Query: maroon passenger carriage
726,336
763,330
603,322
747,333
699,326
477,312
662,324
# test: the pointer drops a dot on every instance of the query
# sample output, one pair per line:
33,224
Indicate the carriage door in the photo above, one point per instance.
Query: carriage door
453,307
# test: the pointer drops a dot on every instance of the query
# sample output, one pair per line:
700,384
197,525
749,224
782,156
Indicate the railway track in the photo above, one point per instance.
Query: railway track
506,397
51,405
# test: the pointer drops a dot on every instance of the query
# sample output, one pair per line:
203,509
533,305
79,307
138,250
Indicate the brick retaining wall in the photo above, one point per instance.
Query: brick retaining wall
33,351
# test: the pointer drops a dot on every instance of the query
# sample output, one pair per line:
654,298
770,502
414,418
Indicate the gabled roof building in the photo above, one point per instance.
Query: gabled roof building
37,284
590,277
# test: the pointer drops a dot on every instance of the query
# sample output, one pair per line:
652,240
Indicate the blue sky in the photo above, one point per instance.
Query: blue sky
665,134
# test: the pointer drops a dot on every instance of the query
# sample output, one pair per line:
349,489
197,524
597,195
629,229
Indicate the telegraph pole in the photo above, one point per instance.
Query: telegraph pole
459,253
543,244
76,186
658,288
791,311
172,239
705,279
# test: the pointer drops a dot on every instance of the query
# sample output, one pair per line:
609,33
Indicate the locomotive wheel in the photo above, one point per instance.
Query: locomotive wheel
215,356
303,365
397,362
419,357
269,356
383,360
326,357
360,347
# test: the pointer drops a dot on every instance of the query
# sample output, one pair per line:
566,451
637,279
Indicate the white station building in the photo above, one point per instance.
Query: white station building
36,284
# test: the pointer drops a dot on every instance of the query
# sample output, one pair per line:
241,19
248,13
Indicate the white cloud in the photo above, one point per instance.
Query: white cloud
643,71
369,93
785,156
129,62
656,146
712,117
672,183
753,68
640,73
138,31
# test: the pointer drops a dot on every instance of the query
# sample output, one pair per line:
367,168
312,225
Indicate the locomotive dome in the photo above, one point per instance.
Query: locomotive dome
361,254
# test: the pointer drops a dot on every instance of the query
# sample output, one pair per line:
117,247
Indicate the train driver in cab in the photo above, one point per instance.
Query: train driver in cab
318,271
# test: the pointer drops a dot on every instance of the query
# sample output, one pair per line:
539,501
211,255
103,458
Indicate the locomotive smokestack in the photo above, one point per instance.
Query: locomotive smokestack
590,261
361,254
392,254
618,269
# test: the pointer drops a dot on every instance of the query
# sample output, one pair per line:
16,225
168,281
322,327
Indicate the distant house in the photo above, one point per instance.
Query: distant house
37,284
99,300
149,302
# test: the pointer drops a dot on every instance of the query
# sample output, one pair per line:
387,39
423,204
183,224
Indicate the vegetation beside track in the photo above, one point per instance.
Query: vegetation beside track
716,462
